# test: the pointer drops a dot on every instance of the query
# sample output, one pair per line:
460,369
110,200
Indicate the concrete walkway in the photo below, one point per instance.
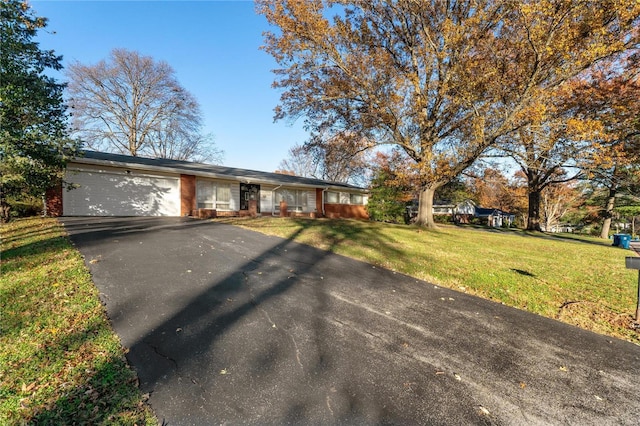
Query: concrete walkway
226,325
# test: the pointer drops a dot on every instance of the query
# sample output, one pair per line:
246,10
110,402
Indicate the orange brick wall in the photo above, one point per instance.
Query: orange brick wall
187,195
352,211
53,198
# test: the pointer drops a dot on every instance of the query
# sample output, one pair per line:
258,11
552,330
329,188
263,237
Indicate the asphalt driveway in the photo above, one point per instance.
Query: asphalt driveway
226,325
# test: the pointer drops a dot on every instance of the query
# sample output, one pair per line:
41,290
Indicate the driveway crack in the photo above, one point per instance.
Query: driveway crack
159,353
256,304
295,345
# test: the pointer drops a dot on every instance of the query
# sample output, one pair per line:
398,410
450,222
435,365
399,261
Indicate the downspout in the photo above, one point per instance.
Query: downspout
323,191
273,203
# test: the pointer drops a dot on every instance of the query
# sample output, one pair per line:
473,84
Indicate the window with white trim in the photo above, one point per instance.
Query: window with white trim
355,199
297,200
205,191
332,197
213,195
223,196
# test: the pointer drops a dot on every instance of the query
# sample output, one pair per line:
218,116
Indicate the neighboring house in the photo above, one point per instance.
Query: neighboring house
559,227
102,184
495,217
444,209
465,211
440,208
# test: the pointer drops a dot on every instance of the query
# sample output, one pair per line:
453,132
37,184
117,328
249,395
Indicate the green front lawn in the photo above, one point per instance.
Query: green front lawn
578,280
60,361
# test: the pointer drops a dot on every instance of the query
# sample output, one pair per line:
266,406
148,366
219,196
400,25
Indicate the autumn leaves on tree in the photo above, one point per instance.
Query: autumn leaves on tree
442,81
609,95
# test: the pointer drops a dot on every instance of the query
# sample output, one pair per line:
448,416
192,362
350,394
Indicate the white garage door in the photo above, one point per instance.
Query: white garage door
100,193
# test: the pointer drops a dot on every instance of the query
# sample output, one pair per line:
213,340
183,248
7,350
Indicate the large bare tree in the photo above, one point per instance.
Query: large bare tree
133,104
337,159
442,80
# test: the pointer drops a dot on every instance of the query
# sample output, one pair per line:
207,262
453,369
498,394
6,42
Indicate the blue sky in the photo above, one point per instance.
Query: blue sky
212,45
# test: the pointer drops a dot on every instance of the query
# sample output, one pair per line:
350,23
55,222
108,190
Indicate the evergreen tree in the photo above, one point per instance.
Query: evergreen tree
33,133
391,188
386,202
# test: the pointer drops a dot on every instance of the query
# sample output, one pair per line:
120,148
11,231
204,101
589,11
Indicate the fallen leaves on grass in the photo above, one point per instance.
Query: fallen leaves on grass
60,362
597,317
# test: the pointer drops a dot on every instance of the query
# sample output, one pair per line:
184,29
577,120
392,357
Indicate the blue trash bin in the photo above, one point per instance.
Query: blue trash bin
625,240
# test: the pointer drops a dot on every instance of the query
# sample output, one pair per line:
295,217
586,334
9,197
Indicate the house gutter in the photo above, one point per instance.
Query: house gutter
273,196
323,191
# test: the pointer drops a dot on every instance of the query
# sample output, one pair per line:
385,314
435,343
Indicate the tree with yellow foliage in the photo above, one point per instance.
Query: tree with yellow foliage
441,80
548,144
610,95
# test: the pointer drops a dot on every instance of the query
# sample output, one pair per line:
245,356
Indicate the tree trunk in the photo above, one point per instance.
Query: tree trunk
533,221
5,212
608,213
425,208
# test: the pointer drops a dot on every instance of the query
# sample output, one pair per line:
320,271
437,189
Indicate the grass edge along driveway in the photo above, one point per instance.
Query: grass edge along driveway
579,280
60,361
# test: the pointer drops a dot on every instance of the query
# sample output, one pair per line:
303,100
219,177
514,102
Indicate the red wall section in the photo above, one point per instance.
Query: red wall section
318,202
53,198
187,195
351,211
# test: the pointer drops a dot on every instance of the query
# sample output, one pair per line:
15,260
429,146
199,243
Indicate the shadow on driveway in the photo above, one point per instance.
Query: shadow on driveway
228,325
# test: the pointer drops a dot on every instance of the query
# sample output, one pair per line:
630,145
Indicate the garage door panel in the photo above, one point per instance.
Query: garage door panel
109,194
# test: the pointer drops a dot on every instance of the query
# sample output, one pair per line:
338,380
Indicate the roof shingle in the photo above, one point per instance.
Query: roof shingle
201,168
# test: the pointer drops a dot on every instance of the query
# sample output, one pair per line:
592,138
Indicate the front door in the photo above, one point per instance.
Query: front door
249,192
